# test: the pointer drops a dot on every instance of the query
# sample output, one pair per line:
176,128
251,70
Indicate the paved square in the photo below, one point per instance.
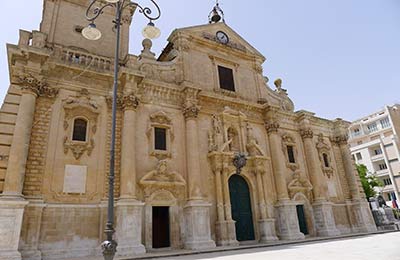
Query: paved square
373,247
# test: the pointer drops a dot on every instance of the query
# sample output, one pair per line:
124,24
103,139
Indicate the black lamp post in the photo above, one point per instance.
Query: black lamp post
109,246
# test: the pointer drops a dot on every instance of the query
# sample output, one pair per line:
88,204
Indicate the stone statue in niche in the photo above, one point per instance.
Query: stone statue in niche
252,144
299,184
233,140
215,135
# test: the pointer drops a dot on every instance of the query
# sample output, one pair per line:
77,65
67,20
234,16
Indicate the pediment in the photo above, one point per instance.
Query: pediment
208,32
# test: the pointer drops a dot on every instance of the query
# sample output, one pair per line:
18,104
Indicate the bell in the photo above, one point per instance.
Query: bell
215,17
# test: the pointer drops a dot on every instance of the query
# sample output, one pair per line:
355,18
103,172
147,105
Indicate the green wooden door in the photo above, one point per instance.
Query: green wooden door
302,219
241,208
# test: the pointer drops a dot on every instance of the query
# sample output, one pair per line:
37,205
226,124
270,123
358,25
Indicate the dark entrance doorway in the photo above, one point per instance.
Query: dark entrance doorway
161,227
302,219
241,208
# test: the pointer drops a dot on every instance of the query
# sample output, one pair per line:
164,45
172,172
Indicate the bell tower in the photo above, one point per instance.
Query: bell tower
63,21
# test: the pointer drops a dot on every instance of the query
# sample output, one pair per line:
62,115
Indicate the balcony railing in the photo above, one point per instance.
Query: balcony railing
86,60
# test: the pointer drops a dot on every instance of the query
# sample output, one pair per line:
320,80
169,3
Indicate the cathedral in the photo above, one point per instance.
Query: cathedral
208,152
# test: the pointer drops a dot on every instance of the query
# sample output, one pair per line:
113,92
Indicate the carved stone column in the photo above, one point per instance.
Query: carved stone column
278,161
266,225
196,211
323,212
313,165
358,208
129,211
128,154
287,215
223,227
12,203
15,175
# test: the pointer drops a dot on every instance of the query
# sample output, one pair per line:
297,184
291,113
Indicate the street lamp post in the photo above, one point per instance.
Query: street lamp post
109,246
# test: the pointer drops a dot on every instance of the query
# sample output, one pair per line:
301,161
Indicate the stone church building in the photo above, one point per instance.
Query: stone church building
182,118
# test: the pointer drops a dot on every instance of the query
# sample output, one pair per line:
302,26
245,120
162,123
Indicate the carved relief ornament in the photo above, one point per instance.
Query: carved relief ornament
288,140
160,120
161,178
299,184
80,106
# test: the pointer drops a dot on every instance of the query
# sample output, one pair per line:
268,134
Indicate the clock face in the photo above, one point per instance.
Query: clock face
222,37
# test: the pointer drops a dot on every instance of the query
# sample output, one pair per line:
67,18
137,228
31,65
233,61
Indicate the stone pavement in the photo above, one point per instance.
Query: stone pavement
378,246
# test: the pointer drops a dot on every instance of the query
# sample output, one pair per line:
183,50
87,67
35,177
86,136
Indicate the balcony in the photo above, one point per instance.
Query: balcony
382,173
378,157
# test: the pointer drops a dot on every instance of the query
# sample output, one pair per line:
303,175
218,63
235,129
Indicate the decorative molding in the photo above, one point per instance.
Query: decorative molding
82,106
288,140
78,148
324,148
161,120
299,184
162,179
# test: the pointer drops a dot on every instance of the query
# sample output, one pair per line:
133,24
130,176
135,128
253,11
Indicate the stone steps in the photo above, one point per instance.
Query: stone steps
8,117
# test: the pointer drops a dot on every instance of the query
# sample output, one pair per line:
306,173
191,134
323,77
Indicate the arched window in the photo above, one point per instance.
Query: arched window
80,129
326,160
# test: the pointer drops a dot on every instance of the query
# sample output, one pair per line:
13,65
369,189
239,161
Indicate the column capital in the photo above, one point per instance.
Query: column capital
272,127
130,102
306,133
31,85
191,111
339,139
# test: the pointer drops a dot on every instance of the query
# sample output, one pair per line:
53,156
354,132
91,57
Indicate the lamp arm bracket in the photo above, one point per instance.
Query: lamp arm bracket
146,11
93,13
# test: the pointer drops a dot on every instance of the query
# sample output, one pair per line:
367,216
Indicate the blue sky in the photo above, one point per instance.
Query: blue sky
337,58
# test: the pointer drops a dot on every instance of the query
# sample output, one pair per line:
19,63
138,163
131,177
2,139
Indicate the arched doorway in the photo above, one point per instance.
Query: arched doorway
241,208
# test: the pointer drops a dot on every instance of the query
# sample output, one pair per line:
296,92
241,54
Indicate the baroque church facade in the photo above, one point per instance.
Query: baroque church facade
182,119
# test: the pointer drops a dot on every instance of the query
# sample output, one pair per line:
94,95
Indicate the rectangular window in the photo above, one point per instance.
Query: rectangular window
226,78
160,139
382,166
385,123
358,155
290,153
389,197
356,132
378,151
388,145
387,181
372,127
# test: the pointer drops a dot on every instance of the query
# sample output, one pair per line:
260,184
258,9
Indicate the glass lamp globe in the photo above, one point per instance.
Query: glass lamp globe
151,31
112,1
91,32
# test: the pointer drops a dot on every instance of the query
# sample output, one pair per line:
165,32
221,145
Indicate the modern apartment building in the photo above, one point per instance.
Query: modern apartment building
374,142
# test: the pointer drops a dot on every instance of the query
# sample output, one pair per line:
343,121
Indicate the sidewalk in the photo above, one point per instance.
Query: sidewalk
183,252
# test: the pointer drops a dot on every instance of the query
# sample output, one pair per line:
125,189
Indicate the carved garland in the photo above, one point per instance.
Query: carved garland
75,107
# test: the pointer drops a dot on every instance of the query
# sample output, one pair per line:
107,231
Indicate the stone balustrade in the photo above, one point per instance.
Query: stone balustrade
79,58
